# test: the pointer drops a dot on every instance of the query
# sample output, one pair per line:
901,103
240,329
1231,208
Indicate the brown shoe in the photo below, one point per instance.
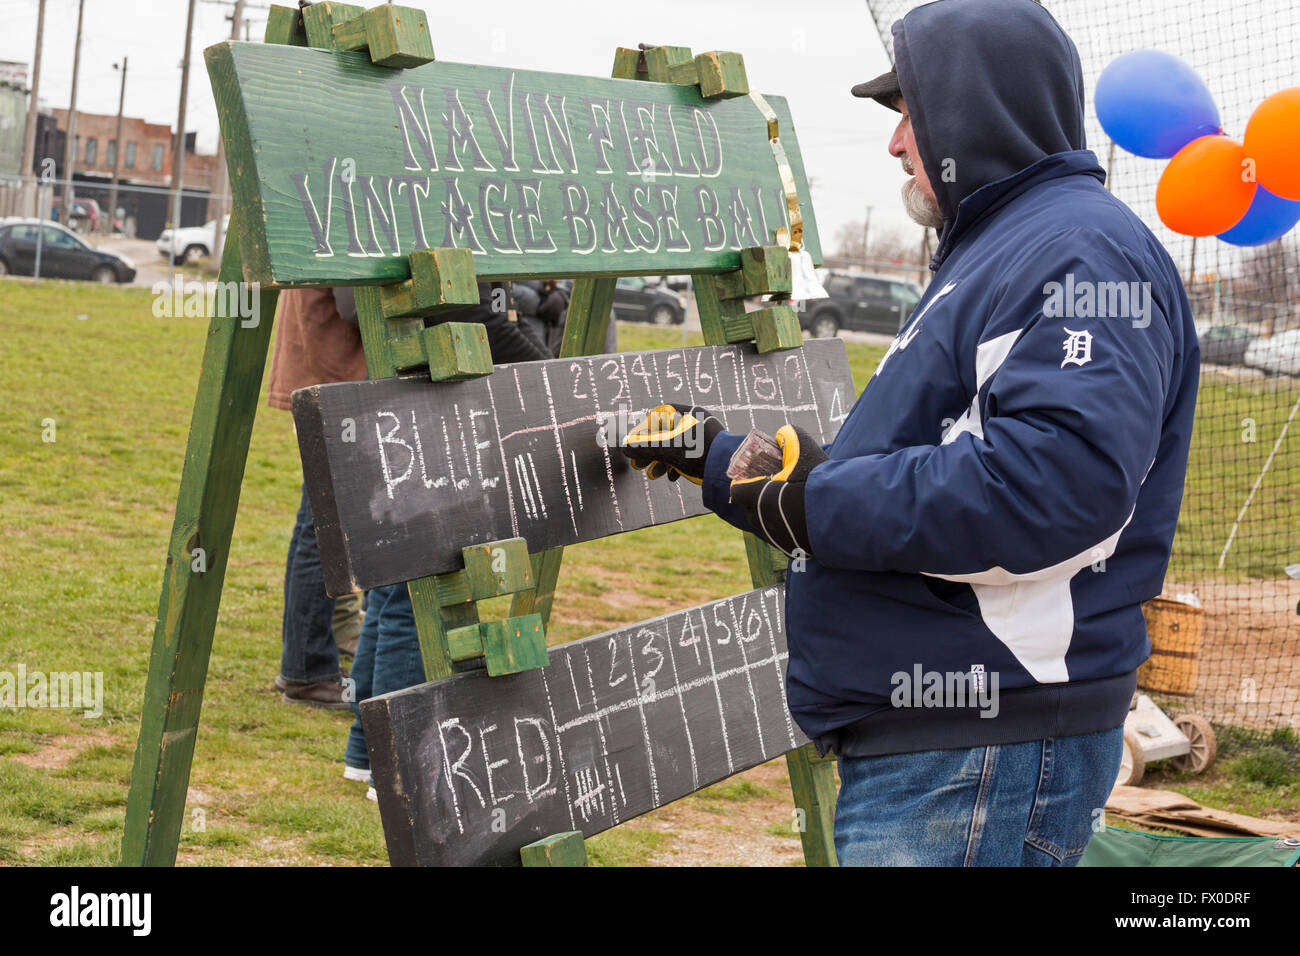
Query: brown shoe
323,693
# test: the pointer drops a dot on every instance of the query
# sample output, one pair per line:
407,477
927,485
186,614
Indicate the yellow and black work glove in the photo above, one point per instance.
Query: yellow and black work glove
673,440
774,504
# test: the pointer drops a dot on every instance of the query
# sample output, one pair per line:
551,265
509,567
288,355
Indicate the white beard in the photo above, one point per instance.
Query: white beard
920,207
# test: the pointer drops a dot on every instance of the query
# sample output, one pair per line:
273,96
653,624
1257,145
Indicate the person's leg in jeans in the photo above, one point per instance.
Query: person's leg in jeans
389,640
308,654
363,670
1025,804
1078,774
346,622
398,661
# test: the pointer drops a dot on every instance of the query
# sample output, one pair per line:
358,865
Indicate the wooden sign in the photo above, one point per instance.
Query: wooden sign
401,473
471,768
344,168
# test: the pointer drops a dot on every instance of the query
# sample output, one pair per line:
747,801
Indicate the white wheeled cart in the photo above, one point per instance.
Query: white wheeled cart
1188,741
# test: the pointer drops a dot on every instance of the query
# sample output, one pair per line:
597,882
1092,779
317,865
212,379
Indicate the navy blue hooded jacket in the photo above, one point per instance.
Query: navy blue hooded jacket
1003,495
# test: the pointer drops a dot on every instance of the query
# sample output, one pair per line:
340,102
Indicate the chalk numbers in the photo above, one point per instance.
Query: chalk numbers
613,664
763,384
694,642
703,380
674,376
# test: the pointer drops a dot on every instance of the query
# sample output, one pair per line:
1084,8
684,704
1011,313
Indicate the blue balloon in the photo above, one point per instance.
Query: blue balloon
1153,104
1269,217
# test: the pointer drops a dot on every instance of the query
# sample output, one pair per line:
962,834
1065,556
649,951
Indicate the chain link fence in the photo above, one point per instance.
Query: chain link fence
1228,620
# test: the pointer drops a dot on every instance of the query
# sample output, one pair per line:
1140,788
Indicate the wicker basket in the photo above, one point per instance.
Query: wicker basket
1175,630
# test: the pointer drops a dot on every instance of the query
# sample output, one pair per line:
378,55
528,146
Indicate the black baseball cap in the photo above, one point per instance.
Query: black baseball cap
882,89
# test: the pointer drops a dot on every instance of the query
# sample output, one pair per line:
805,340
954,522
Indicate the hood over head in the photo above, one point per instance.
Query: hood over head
992,86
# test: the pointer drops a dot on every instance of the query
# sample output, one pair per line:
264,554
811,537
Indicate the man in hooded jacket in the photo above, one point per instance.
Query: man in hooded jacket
970,554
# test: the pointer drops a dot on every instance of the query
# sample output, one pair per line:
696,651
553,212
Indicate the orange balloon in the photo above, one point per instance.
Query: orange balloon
1203,191
1273,141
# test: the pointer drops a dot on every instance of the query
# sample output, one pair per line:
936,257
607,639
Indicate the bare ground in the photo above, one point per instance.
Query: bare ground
753,831
1249,665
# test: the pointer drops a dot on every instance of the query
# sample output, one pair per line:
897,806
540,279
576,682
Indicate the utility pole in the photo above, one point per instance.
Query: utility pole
70,147
222,179
866,234
29,135
117,149
178,156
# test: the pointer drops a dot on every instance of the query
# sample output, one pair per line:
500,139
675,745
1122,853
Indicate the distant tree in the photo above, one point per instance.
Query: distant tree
886,243
848,241
895,245
1268,272
1269,277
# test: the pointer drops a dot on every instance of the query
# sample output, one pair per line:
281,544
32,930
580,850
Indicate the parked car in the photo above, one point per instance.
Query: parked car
86,215
636,301
191,243
64,254
1224,344
1277,354
859,303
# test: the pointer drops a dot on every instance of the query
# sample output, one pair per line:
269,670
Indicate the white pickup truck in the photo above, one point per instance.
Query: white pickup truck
189,244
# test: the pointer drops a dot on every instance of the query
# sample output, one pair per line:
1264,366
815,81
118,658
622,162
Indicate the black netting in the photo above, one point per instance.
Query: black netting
1239,529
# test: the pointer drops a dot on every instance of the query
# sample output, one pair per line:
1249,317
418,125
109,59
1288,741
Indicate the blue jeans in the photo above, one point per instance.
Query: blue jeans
388,658
308,653
1026,804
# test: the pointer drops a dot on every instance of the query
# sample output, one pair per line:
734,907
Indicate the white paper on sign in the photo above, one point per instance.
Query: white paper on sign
804,283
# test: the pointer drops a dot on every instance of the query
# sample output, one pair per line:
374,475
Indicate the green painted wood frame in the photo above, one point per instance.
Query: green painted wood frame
216,454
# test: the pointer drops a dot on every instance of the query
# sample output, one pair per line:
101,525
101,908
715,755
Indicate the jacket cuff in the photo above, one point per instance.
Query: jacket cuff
716,485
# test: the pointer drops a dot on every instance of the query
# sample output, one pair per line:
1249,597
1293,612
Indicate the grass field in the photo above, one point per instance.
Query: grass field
1238,424
84,525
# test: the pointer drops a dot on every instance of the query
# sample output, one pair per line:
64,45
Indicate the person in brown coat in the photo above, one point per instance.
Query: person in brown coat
316,341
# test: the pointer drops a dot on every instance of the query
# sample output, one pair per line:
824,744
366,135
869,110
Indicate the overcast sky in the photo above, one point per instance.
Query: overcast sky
810,51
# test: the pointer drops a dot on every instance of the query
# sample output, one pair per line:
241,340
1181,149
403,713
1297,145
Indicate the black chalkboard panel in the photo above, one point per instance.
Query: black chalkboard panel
402,473
471,768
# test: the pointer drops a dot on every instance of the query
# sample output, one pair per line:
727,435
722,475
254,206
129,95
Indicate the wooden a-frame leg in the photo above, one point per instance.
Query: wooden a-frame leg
215,455
812,781
432,620
584,334
588,320
812,778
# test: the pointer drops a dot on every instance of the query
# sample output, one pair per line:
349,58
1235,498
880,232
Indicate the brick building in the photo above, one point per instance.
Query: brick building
146,162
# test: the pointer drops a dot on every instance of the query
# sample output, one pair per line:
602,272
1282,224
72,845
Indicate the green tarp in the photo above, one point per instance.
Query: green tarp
1115,846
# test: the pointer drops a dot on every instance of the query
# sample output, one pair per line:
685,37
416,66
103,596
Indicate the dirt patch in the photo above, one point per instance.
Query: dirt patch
726,832
61,750
1248,669
279,852
606,576
55,839
631,599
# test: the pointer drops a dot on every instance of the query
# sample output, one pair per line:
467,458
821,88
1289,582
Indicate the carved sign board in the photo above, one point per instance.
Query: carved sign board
402,473
471,768
344,168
